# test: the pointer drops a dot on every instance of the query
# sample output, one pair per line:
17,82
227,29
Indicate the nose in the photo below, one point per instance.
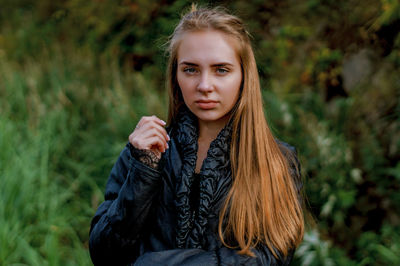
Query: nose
205,83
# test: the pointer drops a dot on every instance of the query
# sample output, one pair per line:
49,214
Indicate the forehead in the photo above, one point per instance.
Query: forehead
208,47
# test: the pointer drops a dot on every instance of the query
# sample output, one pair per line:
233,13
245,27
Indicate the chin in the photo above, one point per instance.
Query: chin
206,117
209,117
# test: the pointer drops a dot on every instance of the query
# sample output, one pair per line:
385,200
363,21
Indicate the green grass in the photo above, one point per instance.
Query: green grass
37,209
63,121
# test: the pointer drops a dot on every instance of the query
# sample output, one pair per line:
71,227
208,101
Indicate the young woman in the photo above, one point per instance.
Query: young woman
213,187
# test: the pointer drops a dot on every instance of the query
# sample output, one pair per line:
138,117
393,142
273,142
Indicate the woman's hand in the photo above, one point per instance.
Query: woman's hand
151,135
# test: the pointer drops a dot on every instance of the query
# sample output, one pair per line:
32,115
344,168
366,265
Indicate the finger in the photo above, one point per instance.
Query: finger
148,119
154,143
159,134
163,132
152,125
149,131
138,137
159,121
145,142
145,128
143,121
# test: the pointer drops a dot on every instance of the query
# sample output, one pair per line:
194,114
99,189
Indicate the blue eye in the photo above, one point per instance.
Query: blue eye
189,70
222,70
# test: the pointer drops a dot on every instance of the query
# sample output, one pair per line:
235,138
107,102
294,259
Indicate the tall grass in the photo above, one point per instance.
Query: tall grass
37,209
64,117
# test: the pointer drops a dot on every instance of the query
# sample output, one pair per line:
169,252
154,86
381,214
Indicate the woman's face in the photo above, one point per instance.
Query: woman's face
209,74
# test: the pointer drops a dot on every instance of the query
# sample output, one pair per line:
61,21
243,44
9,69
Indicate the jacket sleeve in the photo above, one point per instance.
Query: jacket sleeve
223,256
115,228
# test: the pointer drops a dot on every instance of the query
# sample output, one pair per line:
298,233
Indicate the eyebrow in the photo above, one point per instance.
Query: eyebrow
213,65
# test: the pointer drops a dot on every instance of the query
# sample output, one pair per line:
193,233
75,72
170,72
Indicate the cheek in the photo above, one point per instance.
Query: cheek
235,88
184,86
234,98
181,83
179,79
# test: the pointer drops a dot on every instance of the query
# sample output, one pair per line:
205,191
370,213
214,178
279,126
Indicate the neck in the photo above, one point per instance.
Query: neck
208,130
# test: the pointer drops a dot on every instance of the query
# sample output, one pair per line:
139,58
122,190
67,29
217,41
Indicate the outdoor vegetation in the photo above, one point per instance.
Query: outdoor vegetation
77,75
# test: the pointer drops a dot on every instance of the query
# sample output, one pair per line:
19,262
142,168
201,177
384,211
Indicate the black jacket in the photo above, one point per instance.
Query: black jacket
150,217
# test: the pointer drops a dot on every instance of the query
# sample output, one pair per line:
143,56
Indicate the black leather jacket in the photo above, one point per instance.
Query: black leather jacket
150,217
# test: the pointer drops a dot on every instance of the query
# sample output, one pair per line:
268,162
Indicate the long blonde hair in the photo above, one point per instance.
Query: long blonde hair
263,204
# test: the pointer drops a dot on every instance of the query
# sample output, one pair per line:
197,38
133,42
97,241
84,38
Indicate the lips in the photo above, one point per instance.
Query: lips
206,104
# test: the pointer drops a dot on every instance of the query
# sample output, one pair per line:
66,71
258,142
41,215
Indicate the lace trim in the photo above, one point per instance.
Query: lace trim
146,157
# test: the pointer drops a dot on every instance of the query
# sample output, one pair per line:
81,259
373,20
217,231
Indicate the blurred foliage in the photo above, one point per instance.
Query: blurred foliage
75,77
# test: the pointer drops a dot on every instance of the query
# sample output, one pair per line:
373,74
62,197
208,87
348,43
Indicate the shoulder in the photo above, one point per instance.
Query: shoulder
290,153
286,148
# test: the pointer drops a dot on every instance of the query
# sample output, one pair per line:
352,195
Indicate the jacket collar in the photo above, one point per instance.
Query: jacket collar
191,223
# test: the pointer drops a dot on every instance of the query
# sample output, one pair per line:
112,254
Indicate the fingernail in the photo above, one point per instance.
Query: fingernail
168,137
167,146
163,122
